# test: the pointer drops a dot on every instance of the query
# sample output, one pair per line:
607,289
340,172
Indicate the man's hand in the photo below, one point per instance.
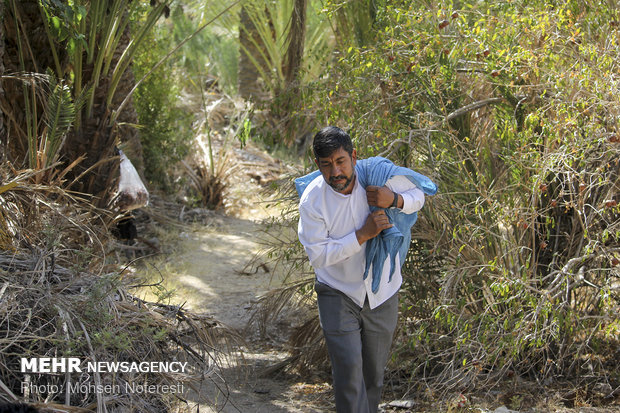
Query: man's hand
381,196
375,223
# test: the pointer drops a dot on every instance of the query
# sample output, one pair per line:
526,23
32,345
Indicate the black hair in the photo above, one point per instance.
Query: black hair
330,139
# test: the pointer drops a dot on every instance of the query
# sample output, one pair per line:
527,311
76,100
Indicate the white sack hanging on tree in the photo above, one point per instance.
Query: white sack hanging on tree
132,193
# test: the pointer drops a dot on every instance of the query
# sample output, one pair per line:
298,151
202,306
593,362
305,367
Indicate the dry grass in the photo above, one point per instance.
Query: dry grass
62,295
496,293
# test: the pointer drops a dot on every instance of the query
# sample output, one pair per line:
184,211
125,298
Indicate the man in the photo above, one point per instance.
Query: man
358,313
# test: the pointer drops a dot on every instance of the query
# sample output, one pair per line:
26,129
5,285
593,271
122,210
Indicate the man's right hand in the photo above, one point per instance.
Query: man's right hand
375,223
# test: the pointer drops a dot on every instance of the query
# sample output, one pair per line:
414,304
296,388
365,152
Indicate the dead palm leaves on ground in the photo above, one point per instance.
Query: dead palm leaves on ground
34,215
60,296
305,339
50,311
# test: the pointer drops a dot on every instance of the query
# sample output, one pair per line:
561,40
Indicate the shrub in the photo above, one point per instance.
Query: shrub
165,127
508,106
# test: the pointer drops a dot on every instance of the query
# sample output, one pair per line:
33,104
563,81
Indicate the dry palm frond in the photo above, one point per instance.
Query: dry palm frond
48,310
209,187
305,342
60,298
271,305
38,214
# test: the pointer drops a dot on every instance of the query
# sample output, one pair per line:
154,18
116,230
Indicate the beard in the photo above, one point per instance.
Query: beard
342,186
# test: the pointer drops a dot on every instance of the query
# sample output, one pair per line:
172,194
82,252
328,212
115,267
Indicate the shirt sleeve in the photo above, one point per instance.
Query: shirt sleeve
323,250
413,197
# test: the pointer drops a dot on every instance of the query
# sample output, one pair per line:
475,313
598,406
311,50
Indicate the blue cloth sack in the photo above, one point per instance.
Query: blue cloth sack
376,171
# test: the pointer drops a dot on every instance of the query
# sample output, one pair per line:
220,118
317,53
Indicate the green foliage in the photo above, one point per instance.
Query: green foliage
113,340
59,113
91,33
214,51
95,310
165,127
354,21
282,66
509,107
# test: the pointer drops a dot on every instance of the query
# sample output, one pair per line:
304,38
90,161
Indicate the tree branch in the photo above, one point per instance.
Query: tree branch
472,106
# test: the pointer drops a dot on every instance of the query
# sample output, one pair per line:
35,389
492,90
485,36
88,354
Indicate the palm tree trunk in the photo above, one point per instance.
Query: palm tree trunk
295,124
97,139
354,22
249,75
295,49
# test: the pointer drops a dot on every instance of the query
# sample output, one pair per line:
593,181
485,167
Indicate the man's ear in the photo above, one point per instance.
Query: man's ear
354,156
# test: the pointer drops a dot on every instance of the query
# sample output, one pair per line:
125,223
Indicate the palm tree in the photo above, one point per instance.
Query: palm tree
98,69
272,40
291,66
295,48
97,138
354,22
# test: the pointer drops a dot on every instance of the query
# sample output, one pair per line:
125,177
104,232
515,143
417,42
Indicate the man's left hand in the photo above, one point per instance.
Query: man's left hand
379,196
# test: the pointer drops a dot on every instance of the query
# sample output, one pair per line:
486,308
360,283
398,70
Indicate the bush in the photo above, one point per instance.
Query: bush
509,107
213,52
164,125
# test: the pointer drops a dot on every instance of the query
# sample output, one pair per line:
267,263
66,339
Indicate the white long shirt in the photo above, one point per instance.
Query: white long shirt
327,224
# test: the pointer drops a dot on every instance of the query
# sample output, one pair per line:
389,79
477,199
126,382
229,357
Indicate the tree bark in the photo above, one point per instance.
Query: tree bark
35,46
295,48
249,76
295,124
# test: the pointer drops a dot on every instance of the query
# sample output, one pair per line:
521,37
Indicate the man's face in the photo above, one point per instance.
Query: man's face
338,170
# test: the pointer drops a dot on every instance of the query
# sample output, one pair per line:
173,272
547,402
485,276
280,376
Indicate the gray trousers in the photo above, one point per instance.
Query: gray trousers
358,341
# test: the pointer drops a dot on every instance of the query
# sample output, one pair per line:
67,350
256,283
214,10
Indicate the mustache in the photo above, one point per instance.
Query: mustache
335,178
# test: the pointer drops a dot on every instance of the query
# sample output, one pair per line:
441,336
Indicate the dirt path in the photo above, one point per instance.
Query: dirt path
206,267
209,273
213,267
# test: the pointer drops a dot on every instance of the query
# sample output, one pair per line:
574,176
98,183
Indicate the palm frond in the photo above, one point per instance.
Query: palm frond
271,305
59,116
276,28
